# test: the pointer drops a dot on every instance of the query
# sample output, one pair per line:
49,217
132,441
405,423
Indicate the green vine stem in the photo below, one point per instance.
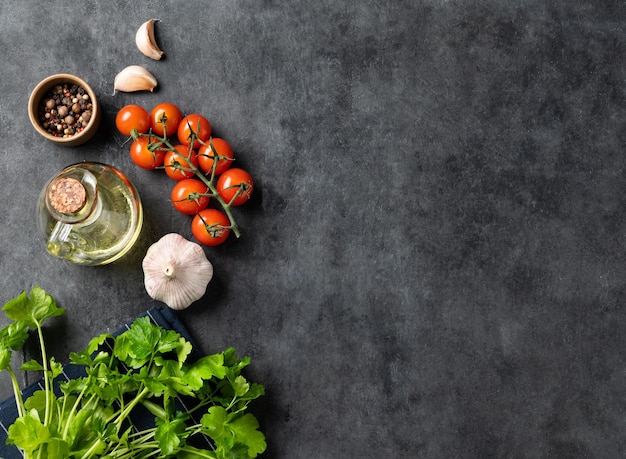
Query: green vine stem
163,144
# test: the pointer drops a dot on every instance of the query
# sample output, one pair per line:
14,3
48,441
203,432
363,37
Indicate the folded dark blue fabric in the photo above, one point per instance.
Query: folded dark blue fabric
160,315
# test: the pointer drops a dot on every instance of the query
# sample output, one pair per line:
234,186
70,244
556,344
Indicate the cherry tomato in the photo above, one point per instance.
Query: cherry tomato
235,185
145,157
132,117
177,164
167,113
206,154
197,124
189,196
211,227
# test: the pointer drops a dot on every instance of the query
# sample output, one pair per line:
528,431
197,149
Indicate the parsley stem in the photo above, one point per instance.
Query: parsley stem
198,453
46,375
128,408
73,411
19,401
92,449
148,433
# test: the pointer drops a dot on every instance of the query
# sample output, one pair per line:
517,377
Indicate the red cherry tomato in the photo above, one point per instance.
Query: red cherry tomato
197,124
206,156
177,164
210,227
189,196
168,114
145,157
132,117
235,186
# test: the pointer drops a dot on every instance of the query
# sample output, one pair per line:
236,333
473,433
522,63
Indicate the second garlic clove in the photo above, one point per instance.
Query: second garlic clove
134,78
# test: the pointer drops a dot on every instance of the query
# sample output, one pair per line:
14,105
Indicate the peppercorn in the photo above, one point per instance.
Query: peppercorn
65,110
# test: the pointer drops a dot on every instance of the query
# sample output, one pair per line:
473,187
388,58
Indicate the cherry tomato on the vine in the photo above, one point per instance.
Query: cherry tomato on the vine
189,196
132,117
176,164
211,227
143,156
197,124
206,156
167,113
235,185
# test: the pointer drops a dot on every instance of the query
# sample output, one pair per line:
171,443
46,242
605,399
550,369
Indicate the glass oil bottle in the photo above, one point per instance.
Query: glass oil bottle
89,214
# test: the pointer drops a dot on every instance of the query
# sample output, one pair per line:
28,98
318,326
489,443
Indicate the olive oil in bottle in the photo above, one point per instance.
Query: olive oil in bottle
89,214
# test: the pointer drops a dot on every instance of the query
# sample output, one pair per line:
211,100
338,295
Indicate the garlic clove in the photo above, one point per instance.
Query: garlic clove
144,38
176,271
134,78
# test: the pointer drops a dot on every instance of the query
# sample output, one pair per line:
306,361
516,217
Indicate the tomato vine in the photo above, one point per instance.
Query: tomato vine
197,155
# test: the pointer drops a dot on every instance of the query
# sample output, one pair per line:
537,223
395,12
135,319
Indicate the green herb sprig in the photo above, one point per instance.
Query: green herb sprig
144,368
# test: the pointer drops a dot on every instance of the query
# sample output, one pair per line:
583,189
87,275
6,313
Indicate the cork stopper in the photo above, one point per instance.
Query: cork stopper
67,195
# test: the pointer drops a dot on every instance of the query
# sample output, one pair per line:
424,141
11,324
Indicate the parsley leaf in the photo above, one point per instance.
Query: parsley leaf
32,310
28,432
169,435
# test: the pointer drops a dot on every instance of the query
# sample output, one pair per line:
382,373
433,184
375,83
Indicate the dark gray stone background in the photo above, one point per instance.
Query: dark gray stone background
434,263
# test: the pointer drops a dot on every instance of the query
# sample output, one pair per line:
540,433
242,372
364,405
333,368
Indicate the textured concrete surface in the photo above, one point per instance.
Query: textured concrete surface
434,264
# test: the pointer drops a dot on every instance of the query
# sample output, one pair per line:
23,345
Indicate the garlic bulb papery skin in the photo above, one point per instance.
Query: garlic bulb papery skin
145,41
176,271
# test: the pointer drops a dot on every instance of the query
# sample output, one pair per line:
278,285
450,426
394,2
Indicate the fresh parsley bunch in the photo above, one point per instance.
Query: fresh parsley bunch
143,369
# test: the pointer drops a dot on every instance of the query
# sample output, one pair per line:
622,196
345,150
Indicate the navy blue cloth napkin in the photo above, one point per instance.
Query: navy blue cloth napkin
160,315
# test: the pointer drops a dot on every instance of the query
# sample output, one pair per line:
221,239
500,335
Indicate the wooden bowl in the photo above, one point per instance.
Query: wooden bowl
37,99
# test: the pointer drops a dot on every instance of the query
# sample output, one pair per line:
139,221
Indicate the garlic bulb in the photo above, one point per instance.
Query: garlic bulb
176,271
144,39
134,78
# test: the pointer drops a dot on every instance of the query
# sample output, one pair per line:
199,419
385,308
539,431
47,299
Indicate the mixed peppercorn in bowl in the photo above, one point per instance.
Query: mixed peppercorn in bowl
64,109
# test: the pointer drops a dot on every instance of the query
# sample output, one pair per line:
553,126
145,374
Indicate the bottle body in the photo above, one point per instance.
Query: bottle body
89,214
